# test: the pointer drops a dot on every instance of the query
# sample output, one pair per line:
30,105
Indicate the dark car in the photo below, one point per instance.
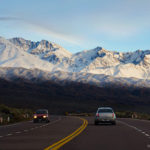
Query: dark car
41,115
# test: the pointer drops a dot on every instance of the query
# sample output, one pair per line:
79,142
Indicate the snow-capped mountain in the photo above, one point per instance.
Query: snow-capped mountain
45,50
85,65
117,64
97,61
12,56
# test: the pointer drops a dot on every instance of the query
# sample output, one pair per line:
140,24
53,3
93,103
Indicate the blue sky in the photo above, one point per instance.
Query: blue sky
121,25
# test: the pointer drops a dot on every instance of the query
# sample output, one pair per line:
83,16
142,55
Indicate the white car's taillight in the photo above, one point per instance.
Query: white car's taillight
113,115
97,114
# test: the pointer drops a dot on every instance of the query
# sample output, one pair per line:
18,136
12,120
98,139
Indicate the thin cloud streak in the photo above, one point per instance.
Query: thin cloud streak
36,28
48,32
9,18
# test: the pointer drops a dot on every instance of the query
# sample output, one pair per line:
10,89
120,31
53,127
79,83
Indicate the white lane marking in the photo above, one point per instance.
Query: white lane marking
25,130
148,121
148,146
9,134
13,124
54,121
18,132
147,135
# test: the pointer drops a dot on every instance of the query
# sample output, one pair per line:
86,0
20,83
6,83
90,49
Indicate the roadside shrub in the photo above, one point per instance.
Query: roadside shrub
11,115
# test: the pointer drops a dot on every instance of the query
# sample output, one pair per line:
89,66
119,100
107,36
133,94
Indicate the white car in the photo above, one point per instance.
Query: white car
105,115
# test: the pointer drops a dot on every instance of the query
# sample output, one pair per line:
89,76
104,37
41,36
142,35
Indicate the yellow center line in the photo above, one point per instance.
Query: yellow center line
65,140
76,131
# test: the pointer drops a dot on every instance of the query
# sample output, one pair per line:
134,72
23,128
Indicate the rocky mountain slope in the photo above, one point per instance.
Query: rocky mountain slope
36,75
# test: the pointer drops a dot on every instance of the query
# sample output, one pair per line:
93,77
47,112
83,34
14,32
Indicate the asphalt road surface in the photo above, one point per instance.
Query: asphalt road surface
128,134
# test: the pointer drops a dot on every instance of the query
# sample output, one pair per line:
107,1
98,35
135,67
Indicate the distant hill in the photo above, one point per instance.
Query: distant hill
72,96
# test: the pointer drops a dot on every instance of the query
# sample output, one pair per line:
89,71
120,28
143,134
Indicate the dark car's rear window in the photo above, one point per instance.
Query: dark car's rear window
41,112
105,111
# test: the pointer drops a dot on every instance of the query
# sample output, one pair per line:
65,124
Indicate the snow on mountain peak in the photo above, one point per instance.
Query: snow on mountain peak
12,56
45,55
44,49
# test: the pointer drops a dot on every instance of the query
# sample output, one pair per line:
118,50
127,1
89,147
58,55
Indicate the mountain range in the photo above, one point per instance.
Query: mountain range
46,60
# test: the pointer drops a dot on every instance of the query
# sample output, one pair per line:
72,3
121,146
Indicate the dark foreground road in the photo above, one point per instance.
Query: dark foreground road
128,134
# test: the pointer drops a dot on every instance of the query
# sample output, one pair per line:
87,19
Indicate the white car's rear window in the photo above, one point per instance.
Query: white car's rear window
105,111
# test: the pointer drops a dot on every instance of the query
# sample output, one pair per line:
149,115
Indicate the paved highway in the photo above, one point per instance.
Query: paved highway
126,135
72,133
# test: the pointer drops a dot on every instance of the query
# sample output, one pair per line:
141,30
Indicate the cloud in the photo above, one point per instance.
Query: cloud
9,18
49,32
31,26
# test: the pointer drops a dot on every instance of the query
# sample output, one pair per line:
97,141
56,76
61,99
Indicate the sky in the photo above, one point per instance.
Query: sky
118,25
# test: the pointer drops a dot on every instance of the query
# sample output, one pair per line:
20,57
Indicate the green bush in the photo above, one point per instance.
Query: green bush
134,115
11,115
